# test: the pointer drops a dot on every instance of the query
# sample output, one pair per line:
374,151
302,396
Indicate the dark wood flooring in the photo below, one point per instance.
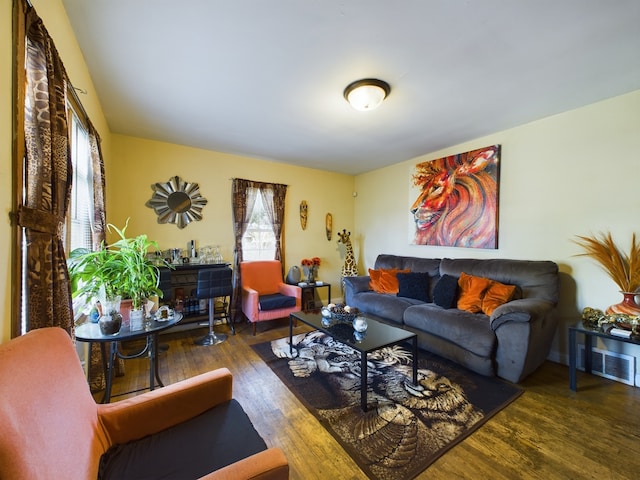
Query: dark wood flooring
549,432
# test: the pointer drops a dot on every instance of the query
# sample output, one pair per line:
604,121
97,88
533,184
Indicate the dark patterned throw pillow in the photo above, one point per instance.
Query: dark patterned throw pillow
414,285
445,292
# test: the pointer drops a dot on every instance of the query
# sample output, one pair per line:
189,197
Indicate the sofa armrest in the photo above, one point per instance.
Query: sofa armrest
353,286
154,411
521,310
270,464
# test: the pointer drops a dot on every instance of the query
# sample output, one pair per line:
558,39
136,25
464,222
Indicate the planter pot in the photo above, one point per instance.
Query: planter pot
125,310
110,324
136,319
110,305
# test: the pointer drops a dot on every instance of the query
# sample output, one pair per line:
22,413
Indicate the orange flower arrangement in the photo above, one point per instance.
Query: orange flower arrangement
310,266
311,262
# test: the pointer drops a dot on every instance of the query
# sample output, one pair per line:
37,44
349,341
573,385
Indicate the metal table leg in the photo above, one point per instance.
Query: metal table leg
572,360
363,381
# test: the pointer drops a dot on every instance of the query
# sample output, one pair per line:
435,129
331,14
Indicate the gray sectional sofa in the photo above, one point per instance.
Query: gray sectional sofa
511,343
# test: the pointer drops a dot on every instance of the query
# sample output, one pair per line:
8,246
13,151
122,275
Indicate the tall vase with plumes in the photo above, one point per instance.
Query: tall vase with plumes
627,306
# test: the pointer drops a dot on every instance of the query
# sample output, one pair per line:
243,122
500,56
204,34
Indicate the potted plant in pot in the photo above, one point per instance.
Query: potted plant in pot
119,270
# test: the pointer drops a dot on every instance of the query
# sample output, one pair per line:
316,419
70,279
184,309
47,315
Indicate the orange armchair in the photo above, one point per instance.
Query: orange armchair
261,279
52,427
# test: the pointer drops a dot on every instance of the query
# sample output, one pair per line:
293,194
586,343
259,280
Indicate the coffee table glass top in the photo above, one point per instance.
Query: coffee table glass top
376,336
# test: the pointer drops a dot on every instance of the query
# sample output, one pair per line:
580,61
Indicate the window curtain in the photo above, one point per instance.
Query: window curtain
45,291
243,199
98,236
273,196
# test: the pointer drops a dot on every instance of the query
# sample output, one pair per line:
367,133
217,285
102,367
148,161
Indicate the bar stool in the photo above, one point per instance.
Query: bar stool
213,283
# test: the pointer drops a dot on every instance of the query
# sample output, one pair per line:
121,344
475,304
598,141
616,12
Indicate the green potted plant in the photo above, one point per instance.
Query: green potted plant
119,270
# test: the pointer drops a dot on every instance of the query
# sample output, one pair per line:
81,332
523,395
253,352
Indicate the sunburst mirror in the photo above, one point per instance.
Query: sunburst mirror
177,201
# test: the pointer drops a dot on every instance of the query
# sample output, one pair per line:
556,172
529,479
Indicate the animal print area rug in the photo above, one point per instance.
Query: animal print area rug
407,427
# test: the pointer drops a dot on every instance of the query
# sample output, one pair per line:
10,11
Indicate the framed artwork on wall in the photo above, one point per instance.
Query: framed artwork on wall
454,200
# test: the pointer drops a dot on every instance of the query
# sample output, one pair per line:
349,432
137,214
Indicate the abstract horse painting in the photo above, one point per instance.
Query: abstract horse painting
457,200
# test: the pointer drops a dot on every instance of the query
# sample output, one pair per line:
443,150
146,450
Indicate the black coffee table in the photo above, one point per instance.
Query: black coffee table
378,335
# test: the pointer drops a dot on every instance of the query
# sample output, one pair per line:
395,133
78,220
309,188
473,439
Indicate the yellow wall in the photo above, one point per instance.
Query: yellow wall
6,72
139,163
571,174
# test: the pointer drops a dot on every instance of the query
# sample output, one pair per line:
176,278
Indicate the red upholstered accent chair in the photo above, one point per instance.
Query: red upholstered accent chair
262,284
52,427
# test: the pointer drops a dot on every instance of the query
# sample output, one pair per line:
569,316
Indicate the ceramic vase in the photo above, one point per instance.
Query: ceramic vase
627,306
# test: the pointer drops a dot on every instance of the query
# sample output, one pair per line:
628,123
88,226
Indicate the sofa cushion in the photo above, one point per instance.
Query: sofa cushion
276,301
385,305
445,291
471,331
472,291
385,280
219,437
414,285
497,294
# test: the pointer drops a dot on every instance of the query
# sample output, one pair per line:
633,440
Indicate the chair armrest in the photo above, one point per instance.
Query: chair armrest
521,310
250,303
290,290
154,411
270,464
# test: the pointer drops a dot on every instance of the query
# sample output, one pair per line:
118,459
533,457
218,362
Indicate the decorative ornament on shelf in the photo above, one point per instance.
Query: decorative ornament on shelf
310,266
622,268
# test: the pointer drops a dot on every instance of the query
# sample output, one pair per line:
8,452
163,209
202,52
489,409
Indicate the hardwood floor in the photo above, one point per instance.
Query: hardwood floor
549,432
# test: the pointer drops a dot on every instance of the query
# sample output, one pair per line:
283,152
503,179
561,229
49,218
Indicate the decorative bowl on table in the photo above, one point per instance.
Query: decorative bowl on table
341,312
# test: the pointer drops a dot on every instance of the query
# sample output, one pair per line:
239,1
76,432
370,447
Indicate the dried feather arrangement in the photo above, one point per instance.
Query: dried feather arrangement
623,269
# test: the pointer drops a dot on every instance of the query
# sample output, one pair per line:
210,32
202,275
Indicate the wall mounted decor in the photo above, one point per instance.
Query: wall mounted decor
303,214
329,225
455,200
177,201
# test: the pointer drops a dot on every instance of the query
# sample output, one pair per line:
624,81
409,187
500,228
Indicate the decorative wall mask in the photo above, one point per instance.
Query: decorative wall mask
328,222
303,214
177,201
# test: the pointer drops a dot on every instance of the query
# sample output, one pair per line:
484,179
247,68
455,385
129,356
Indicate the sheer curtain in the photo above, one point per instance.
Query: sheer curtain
243,199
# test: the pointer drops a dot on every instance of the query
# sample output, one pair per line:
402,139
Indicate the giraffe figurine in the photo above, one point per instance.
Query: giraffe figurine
350,267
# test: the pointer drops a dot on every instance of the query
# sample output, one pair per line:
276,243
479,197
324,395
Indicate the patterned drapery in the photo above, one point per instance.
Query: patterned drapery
243,199
47,183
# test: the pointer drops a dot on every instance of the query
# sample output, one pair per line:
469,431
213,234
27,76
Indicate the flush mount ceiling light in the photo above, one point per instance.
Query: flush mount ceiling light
366,94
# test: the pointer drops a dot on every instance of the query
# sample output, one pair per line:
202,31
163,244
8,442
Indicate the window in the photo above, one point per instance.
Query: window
78,227
259,241
78,231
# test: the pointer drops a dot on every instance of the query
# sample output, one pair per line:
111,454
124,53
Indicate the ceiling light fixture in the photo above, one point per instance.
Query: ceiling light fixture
366,94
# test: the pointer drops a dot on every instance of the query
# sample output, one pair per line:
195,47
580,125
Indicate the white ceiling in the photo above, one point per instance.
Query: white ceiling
264,78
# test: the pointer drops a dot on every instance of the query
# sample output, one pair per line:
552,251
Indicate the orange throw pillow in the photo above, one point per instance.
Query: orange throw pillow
496,295
385,280
472,290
